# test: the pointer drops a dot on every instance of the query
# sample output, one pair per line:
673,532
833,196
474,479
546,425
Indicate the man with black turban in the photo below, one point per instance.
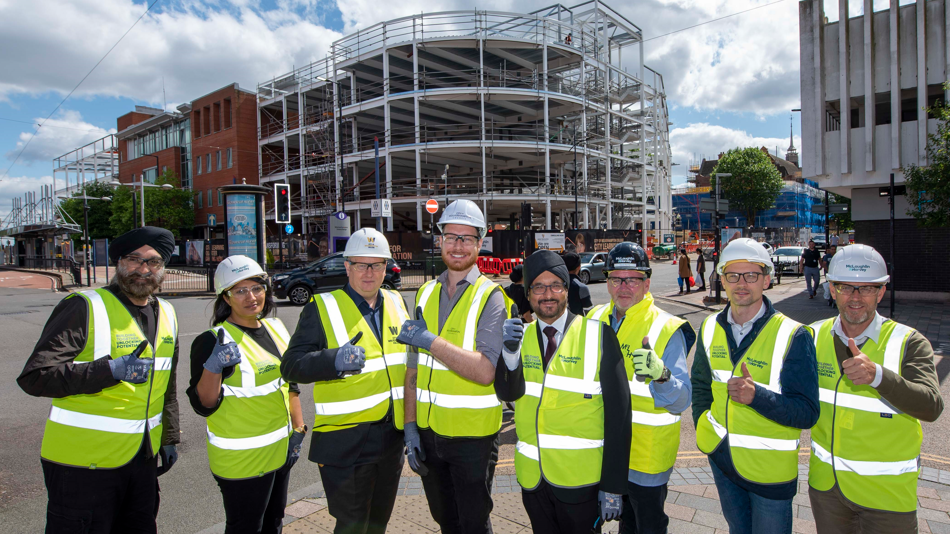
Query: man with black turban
108,357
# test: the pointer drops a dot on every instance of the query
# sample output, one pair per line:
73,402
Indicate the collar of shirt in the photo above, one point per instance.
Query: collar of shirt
470,277
616,322
739,331
873,330
360,302
558,325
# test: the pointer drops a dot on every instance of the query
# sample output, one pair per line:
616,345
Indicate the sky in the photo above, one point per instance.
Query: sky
729,82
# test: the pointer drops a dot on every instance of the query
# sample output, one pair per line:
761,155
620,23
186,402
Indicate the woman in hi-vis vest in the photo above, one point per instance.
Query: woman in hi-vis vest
255,426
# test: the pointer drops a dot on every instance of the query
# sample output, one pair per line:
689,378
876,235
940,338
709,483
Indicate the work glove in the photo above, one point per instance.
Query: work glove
415,333
130,368
646,363
512,337
169,455
414,451
350,358
295,445
610,505
223,355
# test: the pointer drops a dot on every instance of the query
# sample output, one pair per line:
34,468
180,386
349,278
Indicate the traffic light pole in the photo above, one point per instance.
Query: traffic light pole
280,243
718,239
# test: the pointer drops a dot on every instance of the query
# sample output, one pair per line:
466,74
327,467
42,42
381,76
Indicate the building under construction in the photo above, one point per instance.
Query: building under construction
555,108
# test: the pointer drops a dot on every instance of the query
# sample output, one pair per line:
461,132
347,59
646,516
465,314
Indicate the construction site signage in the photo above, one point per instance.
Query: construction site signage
432,206
549,241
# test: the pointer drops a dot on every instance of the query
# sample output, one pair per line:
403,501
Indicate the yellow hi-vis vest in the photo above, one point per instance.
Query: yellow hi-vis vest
868,446
656,432
560,418
453,406
105,430
248,434
365,397
763,451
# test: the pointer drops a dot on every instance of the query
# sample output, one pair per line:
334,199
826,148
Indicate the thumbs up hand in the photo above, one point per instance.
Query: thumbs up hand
512,336
742,388
224,354
415,333
130,368
350,358
858,368
646,363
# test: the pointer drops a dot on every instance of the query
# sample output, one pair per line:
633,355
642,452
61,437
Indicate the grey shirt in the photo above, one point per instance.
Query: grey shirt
488,338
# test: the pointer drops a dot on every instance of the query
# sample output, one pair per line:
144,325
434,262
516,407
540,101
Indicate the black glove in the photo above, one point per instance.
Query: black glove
350,358
415,333
223,355
610,505
169,455
295,445
130,368
414,451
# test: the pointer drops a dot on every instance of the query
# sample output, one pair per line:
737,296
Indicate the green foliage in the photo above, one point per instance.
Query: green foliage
755,182
100,211
928,188
842,220
168,208
269,259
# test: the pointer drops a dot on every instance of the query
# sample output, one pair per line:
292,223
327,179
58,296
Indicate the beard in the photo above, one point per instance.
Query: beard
136,284
549,310
855,317
463,264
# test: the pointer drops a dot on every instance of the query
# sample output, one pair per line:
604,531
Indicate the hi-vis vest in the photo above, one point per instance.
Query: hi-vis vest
560,418
868,446
450,405
105,430
364,397
248,434
763,451
656,432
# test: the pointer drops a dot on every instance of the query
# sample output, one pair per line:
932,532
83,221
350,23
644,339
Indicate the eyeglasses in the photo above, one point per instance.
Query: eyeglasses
750,277
153,263
540,289
467,240
848,290
631,282
376,267
242,292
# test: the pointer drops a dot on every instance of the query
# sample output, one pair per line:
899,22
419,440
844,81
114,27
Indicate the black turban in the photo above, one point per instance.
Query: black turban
544,260
571,260
160,239
517,273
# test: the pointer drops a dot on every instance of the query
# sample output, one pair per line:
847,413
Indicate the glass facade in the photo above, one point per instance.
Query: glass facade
177,134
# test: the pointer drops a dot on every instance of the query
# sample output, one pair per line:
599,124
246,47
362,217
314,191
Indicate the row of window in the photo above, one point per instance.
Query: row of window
178,134
199,199
213,118
217,162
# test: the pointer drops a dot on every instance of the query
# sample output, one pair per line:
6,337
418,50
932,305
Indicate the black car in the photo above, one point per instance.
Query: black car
325,274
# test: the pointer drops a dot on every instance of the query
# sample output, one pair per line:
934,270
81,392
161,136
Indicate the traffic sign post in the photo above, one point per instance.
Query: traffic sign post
432,206
212,220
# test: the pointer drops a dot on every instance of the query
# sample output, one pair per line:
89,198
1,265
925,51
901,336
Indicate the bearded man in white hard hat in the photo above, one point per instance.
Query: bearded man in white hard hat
453,416
345,343
876,383
755,388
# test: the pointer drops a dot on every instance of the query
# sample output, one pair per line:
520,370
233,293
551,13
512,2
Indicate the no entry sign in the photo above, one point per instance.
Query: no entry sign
432,205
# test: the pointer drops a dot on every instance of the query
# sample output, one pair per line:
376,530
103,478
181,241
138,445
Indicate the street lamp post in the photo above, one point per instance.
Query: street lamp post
143,185
85,231
718,236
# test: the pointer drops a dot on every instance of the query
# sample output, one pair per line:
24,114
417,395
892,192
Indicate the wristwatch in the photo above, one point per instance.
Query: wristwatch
665,376
302,429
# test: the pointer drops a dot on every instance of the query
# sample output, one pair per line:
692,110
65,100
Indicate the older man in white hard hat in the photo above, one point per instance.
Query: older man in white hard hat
453,418
755,387
345,343
876,382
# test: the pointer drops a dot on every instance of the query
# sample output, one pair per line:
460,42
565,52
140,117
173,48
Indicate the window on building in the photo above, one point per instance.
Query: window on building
206,123
226,111
198,165
197,114
220,198
218,158
882,113
216,116
198,203
230,162
209,163
909,109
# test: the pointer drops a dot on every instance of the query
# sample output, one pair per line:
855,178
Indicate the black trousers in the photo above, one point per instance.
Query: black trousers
94,501
361,496
550,515
643,510
458,486
255,505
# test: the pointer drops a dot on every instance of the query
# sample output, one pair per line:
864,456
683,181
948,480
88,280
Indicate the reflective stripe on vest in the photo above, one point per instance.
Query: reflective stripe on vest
102,423
870,449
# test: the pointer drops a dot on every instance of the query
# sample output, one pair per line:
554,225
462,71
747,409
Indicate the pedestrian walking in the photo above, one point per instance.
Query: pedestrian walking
516,293
578,294
254,422
572,407
825,264
877,382
108,357
345,344
755,387
685,271
701,268
655,344
810,265
453,416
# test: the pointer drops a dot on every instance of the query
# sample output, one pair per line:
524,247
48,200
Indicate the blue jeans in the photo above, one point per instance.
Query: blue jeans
812,273
748,513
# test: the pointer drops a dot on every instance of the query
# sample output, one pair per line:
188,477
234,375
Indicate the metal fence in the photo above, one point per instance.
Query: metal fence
188,280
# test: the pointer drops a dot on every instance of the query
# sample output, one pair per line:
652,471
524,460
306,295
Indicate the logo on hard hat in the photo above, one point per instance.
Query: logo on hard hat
863,268
240,269
371,242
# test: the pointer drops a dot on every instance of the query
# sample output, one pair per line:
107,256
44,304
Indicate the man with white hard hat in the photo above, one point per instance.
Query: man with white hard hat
755,388
453,416
876,382
345,343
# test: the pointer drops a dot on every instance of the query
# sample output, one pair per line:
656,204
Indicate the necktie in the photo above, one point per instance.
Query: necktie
551,348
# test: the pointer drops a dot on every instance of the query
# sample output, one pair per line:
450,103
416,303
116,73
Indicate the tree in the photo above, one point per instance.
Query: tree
842,220
100,211
168,208
928,188
755,182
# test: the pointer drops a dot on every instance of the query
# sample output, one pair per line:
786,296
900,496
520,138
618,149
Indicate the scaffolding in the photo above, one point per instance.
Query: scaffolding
97,161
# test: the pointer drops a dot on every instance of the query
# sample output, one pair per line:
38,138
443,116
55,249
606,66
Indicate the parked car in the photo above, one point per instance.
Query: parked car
592,266
820,242
786,258
325,274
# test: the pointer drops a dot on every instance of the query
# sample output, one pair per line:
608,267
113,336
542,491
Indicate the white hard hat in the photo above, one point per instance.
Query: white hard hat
465,212
858,263
369,243
235,269
745,249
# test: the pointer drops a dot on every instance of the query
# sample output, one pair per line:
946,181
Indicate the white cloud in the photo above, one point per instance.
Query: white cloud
57,136
708,140
15,187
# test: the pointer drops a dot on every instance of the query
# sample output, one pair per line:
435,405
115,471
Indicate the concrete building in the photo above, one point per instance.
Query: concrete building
866,82
499,108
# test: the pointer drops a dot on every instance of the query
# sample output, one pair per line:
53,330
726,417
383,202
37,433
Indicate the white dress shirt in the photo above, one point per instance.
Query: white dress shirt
873,331
740,331
559,325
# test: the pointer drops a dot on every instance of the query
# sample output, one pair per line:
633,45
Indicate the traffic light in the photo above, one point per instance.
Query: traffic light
282,203
527,215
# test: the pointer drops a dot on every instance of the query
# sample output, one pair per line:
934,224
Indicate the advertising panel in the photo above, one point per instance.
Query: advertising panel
242,225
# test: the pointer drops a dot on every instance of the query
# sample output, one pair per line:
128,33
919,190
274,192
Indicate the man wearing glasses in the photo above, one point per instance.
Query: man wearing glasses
655,344
108,357
345,344
452,413
876,383
755,387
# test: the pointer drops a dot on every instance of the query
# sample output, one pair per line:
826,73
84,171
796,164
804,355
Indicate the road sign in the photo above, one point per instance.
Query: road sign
289,228
340,215
387,207
668,239
708,205
212,220
432,205
376,208
832,208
